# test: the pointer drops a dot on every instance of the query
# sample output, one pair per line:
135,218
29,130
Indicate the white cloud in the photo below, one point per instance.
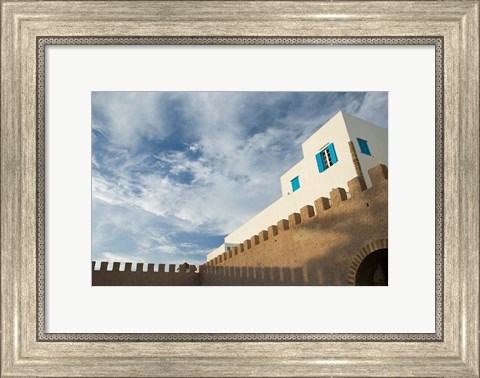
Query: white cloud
372,108
130,116
230,168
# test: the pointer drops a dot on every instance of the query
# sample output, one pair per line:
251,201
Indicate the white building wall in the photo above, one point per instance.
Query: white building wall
377,138
315,184
220,250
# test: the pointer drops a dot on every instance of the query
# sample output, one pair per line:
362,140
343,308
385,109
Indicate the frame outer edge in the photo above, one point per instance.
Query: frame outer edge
469,236
11,230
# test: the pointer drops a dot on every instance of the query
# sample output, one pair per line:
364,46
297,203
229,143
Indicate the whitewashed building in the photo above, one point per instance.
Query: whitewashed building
341,149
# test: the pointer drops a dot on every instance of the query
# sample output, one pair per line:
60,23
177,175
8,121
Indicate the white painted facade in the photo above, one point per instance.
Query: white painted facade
339,130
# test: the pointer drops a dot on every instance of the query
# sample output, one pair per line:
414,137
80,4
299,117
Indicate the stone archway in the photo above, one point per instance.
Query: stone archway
373,270
370,265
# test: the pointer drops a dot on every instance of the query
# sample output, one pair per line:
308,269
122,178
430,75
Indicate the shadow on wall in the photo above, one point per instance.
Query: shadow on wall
327,241
284,276
371,272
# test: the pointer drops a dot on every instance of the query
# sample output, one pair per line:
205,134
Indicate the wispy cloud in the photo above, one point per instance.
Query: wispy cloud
173,173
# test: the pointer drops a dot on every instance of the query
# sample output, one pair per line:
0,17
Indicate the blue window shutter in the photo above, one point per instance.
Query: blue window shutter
321,168
295,184
333,155
364,149
360,144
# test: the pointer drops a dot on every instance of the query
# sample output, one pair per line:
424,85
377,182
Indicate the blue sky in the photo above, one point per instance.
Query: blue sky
174,172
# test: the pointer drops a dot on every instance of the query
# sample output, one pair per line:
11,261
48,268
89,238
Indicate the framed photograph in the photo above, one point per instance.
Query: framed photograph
197,195
239,188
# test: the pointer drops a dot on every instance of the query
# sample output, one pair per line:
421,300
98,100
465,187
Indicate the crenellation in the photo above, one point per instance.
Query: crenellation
247,244
321,205
306,213
263,235
272,231
294,219
357,185
139,277
378,174
338,195
283,225
255,240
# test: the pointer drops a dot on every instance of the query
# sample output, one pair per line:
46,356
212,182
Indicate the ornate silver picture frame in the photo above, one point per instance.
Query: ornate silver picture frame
27,28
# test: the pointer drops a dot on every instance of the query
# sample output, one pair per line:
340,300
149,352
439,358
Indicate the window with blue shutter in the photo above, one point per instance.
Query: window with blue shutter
320,165
326,158
295,183
363,144
333,155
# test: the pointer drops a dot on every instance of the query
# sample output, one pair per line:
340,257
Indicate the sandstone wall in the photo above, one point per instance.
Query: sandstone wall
317,246
172,277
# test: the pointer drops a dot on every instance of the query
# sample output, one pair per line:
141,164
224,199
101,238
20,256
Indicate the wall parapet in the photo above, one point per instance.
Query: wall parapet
115,277
321,207
315,246
140,267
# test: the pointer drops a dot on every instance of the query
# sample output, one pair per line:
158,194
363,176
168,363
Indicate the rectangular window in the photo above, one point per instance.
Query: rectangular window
364,149
295,184
326,158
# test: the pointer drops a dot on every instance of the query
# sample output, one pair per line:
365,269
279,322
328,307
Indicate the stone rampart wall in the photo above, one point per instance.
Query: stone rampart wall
127,277
323,244
315,246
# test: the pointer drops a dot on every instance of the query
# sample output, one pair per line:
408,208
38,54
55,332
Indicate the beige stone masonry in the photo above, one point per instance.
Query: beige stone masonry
139,277
322,239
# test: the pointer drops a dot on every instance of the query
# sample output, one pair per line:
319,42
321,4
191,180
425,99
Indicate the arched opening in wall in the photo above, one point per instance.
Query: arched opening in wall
373,270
